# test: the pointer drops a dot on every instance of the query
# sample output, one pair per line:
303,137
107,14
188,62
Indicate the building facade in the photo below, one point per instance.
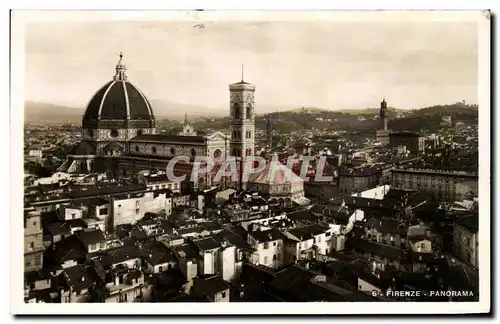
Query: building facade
33,240
443,185
412,141
466,239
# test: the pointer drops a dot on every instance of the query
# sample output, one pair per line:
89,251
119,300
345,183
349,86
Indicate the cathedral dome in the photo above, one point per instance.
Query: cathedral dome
118,100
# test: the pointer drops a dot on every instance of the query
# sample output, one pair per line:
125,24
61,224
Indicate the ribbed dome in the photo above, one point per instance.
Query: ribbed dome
119,100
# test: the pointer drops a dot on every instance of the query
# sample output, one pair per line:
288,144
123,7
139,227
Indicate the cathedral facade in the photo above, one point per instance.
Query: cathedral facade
119,133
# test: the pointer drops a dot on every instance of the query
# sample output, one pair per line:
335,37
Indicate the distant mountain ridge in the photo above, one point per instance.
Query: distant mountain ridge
40,111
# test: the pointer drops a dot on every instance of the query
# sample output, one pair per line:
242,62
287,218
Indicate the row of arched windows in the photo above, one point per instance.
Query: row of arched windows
237,111
237,134
237,152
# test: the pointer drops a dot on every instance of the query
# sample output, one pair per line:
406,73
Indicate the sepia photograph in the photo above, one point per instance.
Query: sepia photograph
306,161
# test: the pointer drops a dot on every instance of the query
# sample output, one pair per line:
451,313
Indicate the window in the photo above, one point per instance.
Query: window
172,151
137,148
249,111
327,234
160,269
139,132
193,152
319,239
137,211
153,149
32,246
217,153
113,133
103,211
236,111
137,203
38,259
265,260
266,245
34,224
274,244
223,294
73,215
92,247
274,257
422,245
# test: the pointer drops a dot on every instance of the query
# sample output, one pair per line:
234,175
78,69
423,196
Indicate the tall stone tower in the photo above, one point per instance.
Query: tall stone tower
382,133
242,116
383,115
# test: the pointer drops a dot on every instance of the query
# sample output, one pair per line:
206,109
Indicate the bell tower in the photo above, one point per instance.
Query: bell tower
383,115
383,132
242,115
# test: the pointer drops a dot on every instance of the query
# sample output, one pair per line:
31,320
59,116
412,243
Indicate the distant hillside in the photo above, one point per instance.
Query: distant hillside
289,121
457,108
374,111
40,111
175,110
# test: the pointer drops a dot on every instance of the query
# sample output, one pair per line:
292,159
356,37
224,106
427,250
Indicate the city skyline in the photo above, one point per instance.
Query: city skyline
414,64
303,206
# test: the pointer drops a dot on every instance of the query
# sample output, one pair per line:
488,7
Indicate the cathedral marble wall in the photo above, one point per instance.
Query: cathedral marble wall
166,150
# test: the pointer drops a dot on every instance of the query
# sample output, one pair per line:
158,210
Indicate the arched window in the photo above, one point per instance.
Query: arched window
113,133
217,153
153,149
236,111
137,148
193,152
249,111
172,151
139,132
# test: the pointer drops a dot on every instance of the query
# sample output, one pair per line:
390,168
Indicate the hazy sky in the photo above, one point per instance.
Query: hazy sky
330,65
